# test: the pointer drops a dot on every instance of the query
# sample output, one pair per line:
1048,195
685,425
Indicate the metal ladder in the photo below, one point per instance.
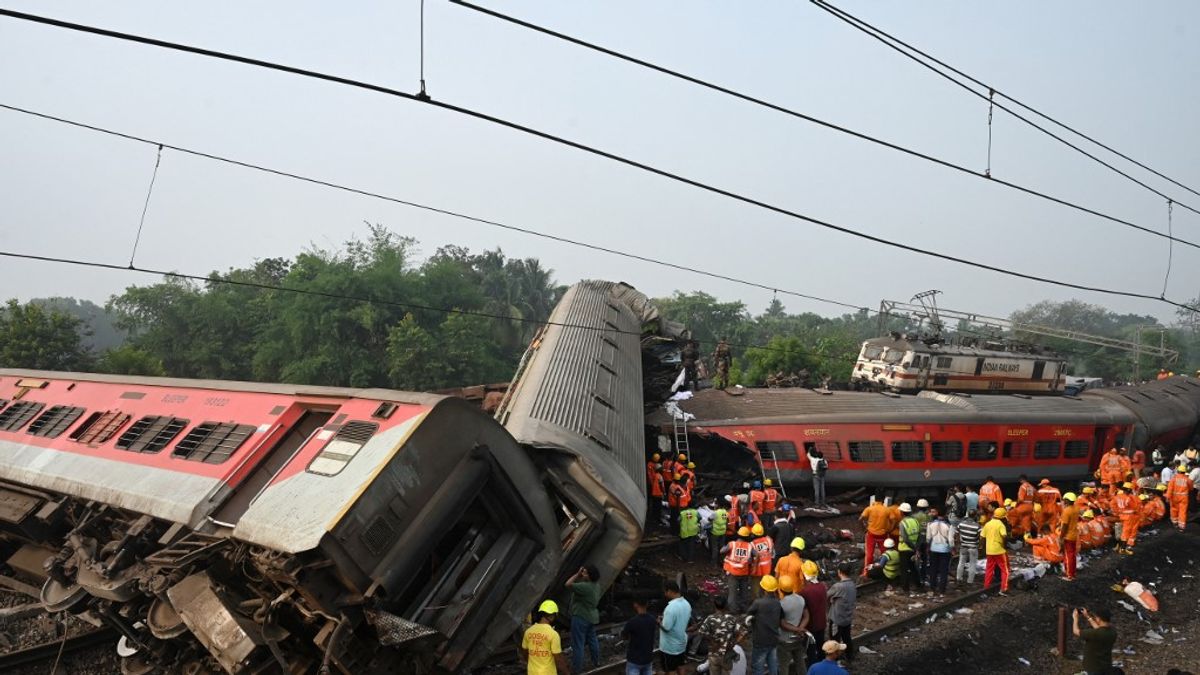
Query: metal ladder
762,468
679,427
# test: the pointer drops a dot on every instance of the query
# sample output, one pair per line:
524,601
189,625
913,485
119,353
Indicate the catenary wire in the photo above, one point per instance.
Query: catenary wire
820,122
1026,106
146,206
537,133
431,209
894,44
412,306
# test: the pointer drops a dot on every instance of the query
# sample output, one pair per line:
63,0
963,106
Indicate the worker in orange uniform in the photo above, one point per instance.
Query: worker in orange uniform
1089,532
658,490
678,498
877,520
739,554
771,501
1153,508
653,466
895,515
735,516
792,564
1068,531
757,497
1137,463
1126,508
1110,470
689,477
1126,466
1047,546
1084,502
1050,499
1022,515
763,558
1178,489
994,533
988,493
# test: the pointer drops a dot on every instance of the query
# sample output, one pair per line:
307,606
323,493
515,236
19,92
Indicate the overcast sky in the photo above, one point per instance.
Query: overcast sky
1124,72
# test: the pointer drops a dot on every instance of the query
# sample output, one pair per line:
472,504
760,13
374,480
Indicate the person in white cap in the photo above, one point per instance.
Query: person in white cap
829,665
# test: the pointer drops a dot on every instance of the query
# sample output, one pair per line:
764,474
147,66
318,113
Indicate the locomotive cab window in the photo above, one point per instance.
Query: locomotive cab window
777,450
53,422
342,448
832,450
908,451
946,451
1077,449
981,451
866,451
1046,450
943,362
16,415
151,434
212,442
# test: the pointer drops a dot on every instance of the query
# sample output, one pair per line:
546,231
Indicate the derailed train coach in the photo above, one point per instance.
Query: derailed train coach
244,527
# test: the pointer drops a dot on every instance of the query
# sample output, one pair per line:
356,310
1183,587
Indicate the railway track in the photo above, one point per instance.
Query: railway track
50,651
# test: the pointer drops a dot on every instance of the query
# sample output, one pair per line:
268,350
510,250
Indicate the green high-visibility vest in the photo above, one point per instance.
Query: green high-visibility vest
910,532
891,563
720,522
689,523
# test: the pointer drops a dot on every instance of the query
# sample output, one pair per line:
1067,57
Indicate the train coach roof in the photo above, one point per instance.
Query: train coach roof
947,349
409,397
804,406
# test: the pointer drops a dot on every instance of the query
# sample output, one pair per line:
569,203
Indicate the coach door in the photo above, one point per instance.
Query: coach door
1039,368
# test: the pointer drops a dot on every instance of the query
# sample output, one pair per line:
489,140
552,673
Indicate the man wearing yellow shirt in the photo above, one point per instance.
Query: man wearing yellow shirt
541,646
994,533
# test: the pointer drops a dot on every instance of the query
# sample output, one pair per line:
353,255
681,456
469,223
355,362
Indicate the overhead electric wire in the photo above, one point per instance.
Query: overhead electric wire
425,207
896,45
591,150
985,175
1026,106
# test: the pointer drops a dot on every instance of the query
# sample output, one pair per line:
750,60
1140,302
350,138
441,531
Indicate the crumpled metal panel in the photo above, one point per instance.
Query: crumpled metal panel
228,637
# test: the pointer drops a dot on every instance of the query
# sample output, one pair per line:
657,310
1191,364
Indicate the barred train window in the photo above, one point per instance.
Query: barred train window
1077,449
99,427
981,451
946,451
1046,450
779,450
151,434
908,451
1016,449
16,415
212,442
866,451
832,450
342,448
53,422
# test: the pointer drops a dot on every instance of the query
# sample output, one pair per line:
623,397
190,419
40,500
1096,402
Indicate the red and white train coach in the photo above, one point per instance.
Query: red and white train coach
936,439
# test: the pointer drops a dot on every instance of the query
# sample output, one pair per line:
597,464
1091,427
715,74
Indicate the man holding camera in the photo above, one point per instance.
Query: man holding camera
1098,639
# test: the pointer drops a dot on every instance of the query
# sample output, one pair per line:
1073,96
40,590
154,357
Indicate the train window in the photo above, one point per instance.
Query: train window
16,415
3,402
981,451
54,421
908,451
866,451
832,450
778,450
151,433
1046,449
944,361
212,442
342,448
1016,449
99,427
946,451
1077,449
872,352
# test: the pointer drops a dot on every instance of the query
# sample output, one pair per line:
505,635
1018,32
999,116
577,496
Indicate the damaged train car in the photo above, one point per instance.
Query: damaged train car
254,528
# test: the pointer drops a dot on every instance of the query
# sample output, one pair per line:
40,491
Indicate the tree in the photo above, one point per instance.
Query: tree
33,337
129,360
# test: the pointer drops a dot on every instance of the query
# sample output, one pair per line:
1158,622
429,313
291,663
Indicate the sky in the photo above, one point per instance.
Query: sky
1123,72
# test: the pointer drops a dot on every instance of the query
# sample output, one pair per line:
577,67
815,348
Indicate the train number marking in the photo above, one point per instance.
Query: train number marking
216,401
174,398
1062,432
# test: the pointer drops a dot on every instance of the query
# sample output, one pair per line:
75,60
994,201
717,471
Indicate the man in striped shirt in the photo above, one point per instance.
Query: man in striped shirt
968,546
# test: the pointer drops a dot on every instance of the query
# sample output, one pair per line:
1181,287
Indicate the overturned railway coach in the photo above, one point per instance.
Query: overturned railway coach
890,440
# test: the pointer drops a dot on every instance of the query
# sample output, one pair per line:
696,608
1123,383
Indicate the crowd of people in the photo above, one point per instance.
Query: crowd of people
792,622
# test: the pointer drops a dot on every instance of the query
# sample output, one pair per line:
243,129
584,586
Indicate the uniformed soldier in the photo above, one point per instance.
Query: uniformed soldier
722,359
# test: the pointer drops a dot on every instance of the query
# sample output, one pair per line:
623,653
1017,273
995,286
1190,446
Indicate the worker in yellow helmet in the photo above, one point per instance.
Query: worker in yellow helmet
541,647
764,554
791,565
994,534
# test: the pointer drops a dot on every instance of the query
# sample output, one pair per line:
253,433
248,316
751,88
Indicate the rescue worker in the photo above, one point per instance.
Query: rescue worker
1048,496
990,492
1137,463
689,532
757,498
717,532
909,543
1047,547
658,490
1084,502
1110,470
1088,535
1153,509
1022,515
735,516
688,472
781,532
739,555
1126,465
763,558
771,501
923,517
721,361
888,566
994,534
1068,530
541,647
1125,507
690,356
792,564
1177,492
669,469
677,500
877,521
1106,527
